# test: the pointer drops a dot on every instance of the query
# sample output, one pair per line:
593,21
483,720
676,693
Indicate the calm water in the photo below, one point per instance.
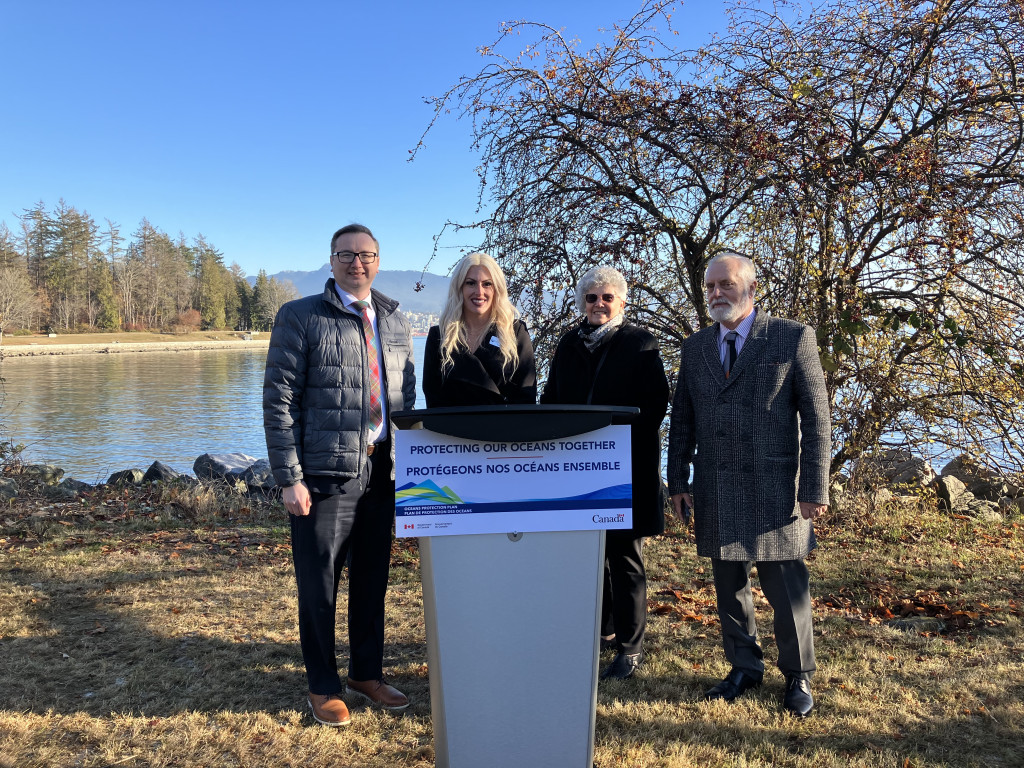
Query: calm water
97,414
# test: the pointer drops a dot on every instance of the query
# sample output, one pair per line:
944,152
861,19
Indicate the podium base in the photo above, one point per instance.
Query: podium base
512,647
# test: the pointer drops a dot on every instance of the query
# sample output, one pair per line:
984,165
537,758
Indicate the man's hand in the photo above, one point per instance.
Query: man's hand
811,511
296,499
677,505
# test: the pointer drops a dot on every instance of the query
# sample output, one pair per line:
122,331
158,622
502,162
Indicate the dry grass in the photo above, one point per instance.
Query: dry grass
159,630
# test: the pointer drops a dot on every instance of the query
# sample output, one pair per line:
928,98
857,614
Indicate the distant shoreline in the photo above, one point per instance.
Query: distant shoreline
120,343
42,349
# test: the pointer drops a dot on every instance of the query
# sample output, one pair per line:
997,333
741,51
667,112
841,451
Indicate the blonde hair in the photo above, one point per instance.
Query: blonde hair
503,314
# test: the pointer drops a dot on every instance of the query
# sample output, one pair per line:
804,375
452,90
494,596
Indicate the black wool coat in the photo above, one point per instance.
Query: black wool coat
625,370
479,378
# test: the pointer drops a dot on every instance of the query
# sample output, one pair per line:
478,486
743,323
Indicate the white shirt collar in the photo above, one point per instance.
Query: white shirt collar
742,330
347,299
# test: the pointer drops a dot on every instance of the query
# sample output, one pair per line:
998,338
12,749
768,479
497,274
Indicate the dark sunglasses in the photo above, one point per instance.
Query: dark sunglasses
607,297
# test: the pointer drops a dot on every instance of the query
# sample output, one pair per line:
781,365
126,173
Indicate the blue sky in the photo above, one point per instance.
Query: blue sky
263,126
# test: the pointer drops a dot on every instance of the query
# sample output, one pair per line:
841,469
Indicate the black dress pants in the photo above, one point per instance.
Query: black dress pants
786,585
356,520
624,607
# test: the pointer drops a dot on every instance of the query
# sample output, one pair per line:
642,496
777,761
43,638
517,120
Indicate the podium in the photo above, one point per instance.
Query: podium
512,567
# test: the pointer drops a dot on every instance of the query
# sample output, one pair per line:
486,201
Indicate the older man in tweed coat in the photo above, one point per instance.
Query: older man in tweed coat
751,416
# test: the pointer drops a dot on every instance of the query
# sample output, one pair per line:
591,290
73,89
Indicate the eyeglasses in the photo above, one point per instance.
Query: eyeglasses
347,257
608,298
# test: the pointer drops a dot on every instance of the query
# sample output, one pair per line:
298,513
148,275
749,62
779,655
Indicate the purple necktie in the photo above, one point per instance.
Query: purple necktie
730,352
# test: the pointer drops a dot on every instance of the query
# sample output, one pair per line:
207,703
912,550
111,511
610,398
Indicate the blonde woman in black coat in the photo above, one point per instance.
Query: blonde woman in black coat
607,361
480,354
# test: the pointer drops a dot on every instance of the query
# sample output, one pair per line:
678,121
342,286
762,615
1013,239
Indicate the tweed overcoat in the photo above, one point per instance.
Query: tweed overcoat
759,442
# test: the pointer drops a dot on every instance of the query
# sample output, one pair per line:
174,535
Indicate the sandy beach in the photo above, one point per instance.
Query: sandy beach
124,343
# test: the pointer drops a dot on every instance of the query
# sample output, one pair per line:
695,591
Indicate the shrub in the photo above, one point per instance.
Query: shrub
189,320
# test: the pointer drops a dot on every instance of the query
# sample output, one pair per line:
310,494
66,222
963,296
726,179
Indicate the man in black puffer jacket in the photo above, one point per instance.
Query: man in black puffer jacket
338,364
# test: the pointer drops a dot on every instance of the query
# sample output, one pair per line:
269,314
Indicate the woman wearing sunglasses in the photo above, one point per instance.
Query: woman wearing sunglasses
607,361
480,354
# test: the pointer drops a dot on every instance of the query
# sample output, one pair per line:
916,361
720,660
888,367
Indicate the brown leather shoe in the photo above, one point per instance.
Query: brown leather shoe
329,709
378,692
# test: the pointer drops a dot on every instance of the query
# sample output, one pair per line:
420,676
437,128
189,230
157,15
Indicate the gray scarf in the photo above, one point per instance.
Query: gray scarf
595,335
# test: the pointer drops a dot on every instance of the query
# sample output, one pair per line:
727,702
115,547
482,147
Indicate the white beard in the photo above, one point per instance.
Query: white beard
727,313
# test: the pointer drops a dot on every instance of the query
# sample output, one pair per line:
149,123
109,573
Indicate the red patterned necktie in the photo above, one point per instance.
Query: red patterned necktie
376,415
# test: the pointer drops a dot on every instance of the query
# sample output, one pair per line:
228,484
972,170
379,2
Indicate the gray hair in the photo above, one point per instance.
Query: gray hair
746,264
595,278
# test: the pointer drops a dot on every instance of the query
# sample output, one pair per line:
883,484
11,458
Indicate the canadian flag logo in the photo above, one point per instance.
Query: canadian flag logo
408,526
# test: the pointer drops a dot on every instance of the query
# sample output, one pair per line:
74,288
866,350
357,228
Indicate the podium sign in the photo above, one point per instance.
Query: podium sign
447,485
511,606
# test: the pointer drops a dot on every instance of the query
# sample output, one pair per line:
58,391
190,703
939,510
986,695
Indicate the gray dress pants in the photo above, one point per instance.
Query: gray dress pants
786,585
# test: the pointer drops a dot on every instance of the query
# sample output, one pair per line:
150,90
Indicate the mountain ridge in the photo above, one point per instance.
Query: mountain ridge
399,284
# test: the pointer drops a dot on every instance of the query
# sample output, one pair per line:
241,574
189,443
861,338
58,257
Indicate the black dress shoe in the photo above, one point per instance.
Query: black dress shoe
735,684
798,700
622,666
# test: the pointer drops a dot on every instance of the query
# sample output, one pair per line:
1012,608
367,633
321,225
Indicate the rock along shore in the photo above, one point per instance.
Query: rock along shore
39,350
238,471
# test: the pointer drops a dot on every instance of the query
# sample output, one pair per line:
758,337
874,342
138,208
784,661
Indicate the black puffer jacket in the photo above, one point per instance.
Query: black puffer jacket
316,392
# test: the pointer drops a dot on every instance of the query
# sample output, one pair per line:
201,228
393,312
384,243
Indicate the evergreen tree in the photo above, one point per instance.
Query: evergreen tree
210,285
9,255
263,309
36,234
232,301
244,294
108,315
179,275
